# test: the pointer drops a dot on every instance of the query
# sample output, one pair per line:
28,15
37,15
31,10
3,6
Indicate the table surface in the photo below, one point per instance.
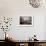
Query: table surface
2,40
42,41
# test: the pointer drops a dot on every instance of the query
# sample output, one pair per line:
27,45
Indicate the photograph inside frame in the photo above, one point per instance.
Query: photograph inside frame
25,20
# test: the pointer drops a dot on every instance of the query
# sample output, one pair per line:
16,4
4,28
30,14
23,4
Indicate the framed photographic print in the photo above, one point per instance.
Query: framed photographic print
26,21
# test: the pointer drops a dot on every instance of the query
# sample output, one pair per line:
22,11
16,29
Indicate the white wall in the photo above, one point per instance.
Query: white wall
15,8
45,29
23,32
